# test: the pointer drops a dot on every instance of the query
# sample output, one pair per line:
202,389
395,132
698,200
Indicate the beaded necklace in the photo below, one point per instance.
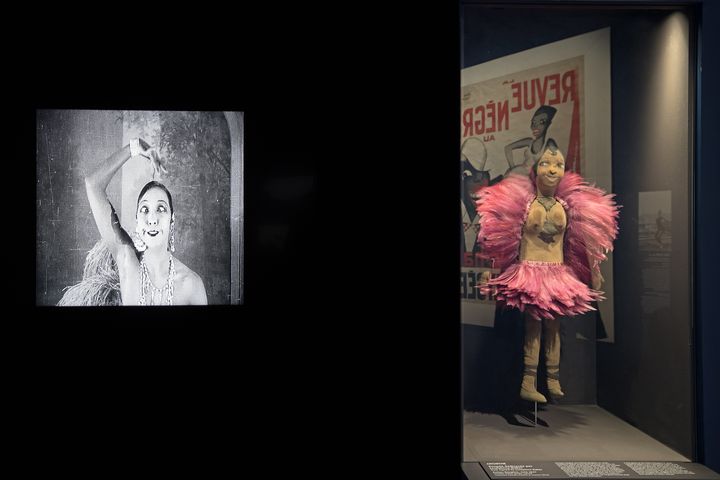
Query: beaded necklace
546,202
147,285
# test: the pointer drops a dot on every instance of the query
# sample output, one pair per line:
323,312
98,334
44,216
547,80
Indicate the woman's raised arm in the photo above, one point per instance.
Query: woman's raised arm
96,183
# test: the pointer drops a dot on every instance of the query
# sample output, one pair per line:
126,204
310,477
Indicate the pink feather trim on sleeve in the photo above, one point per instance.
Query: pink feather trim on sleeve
502,208
592,224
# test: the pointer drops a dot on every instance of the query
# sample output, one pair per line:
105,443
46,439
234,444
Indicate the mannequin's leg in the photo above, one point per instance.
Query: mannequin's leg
528,390
552,356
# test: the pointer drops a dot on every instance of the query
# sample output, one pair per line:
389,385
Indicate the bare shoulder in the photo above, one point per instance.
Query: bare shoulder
190,289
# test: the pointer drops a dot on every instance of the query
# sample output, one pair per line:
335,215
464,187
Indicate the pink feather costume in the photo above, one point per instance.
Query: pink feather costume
546,289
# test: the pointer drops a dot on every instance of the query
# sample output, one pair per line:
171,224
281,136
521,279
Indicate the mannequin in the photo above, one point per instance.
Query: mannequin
547,233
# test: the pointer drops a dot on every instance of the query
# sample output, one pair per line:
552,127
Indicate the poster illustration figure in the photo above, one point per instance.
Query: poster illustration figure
662,227
474,176
531,147
655,248
506,125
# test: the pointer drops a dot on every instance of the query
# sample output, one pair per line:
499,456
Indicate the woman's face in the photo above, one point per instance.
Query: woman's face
153,218
539,124
550,169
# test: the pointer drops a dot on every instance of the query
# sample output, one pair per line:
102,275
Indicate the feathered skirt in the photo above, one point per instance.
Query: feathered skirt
542,289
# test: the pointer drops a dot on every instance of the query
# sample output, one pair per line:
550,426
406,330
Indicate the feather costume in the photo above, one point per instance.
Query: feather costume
100,284
546,289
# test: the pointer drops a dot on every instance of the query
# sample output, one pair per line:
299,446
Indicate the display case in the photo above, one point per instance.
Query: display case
619,84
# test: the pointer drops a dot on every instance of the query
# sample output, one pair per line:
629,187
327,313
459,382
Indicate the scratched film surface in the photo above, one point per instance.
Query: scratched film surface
197,148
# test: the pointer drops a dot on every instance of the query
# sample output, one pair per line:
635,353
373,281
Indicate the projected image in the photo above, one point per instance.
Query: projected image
138,208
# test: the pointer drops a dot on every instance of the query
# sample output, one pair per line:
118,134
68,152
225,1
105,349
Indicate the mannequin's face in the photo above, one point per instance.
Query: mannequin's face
153,218
550,169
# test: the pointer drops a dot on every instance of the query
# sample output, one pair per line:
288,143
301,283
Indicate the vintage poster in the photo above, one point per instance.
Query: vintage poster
510,108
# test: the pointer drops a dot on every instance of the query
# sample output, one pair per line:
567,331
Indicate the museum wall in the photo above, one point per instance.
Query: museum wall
646,376
707,231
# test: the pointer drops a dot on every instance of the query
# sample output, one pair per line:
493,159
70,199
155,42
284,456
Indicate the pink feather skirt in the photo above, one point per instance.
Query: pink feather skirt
542,289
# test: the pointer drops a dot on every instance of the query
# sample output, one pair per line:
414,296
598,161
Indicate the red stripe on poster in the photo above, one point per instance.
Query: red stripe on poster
572,160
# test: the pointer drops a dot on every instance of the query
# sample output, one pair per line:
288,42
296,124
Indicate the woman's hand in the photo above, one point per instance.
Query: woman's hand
138,146
597,279
158,163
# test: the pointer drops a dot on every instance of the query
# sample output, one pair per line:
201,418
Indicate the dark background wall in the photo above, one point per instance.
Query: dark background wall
646,376
707,231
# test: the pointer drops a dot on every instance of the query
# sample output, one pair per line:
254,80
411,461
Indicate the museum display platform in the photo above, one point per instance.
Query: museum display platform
567,441
563,432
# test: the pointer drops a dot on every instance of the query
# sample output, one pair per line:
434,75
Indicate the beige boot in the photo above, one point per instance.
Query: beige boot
528,390
552,356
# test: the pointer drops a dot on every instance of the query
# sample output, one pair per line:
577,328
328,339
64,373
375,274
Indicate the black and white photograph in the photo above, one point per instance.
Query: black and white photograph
139,208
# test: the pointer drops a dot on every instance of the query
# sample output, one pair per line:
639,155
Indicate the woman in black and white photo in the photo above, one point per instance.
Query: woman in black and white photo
149,273
139,207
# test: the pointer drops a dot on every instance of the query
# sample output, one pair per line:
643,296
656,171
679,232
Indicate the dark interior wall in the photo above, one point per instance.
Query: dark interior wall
645,377
707,229
68,141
